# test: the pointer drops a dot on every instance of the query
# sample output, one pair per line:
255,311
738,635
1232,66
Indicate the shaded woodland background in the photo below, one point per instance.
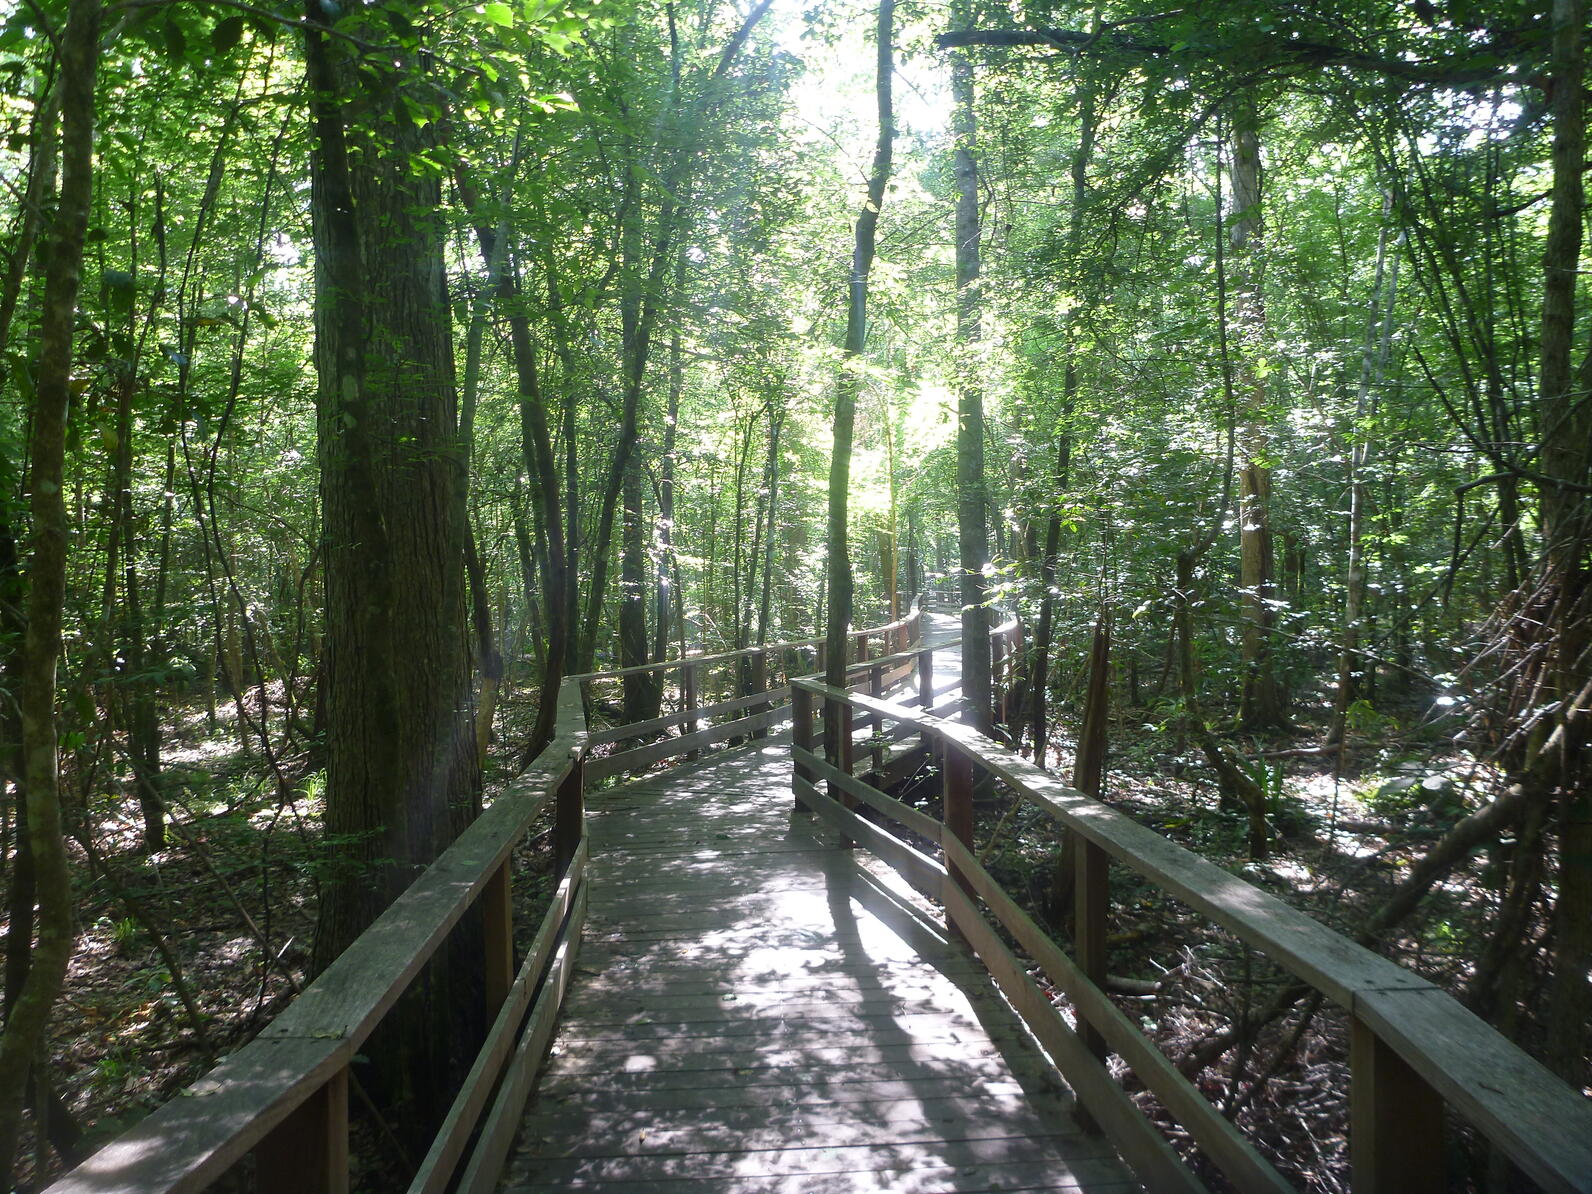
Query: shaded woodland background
367,369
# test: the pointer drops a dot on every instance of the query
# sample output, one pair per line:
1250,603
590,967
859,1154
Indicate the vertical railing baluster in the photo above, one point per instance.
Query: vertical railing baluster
569,816
497,915
1395,1120
801,732
876,722
839,747
689,680
956,809
1091,905
307,1153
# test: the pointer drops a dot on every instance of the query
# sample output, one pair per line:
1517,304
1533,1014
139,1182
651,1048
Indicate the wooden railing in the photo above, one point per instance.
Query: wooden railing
284,1096
709,688
1413,1047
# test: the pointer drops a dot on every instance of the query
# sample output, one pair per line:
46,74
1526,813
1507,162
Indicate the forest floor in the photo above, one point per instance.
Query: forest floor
231,899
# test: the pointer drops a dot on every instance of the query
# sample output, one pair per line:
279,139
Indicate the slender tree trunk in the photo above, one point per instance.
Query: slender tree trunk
1260,704
666,560
776,423
642,300
837,574
972,491
1039,667
489,656
1373,366
541,467
23,1041
633,305
554,553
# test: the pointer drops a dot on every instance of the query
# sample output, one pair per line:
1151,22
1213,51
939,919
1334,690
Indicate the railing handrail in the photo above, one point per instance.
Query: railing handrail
1540,1122
740,652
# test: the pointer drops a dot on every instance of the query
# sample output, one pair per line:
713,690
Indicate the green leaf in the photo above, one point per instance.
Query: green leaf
226,34
176,40
498,13
401,24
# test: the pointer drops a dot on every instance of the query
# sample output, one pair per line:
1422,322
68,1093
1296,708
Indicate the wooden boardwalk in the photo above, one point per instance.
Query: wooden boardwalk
757,1010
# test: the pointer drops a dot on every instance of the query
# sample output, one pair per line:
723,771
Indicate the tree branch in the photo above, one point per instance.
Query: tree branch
1485,64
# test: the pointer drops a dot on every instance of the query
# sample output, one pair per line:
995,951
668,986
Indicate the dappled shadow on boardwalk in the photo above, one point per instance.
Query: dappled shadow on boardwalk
755,1011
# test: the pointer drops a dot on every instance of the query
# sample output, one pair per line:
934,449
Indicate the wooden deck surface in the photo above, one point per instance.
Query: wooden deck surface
758,1011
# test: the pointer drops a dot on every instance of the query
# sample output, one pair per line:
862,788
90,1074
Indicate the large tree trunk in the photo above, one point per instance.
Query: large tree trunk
1566,455
972,497
402,773
26,1026
837,575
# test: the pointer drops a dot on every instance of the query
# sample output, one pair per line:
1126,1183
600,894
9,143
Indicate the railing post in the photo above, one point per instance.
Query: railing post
688,694
956,809
876,722
801,734
569,817
1091,902
759,683
840,749
1395,1120
497,914
859,647
926,680
997,656
307,1153
689,697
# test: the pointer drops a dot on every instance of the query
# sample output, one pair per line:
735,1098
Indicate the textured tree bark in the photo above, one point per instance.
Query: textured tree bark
26,1027
402,773
489,656
972,495
1566,431
837,572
